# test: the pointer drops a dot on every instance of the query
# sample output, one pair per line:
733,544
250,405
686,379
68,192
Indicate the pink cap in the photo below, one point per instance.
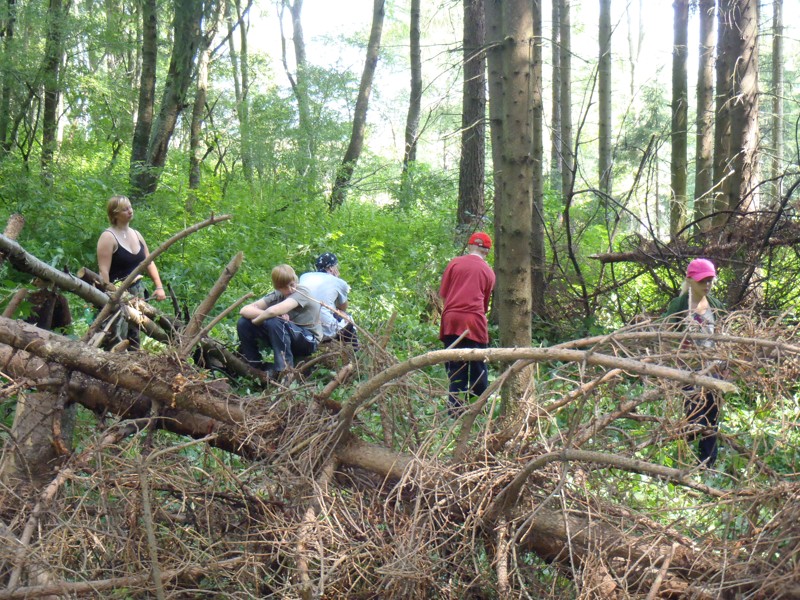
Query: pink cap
700,268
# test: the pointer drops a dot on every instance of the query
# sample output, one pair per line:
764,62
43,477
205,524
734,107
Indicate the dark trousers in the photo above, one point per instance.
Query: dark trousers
467,378
702,410
348,335
287,340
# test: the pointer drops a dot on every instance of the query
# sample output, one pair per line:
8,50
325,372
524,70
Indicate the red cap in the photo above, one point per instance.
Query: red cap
480,239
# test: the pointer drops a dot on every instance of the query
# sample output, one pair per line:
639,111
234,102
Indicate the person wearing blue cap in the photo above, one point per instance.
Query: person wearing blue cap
331,291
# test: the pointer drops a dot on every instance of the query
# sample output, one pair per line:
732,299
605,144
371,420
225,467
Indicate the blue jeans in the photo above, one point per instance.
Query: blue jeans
287,340
702,409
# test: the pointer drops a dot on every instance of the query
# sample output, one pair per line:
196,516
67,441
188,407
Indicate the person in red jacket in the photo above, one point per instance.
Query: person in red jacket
466,289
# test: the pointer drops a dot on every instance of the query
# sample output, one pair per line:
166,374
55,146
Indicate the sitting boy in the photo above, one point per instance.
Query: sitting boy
287,319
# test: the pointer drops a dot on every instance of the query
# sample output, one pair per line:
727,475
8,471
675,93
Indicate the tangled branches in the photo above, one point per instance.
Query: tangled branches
364,487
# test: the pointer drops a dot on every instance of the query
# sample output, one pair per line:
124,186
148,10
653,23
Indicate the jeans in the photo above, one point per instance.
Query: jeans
702,409
287,340
467,378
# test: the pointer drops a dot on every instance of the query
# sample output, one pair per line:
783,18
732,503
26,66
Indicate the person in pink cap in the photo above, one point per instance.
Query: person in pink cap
466,289
697,311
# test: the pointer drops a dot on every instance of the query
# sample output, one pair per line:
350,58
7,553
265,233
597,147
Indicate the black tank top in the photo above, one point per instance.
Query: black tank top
124,262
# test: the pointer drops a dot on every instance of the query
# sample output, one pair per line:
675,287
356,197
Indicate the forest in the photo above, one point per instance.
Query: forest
603,152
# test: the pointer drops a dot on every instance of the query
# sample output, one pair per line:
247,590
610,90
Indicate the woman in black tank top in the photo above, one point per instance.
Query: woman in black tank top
120,250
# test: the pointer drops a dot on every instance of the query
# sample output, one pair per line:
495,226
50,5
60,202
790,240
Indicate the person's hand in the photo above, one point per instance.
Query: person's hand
159,295
285,317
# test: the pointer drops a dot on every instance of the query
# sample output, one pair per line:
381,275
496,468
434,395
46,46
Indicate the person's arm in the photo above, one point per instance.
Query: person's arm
252,310
276,310
105,248
152,270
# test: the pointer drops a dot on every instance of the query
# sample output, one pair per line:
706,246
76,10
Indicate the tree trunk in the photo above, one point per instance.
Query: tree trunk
147,91
538,241
513,204
186,31
555,105
414,107
471,172
345,172
704,166
736,132
54,57
196,152
7,22
240,65
306,136
565,59
680,113
604,99
415,100
777,102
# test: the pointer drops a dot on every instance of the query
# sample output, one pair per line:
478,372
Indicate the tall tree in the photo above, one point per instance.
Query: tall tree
147,90
471,199
196,152
736,128
415,98
680,114
538,254
186,39
565,59
345,172
513,202
7,31
240,66
555,98
704,161
54,57
777,99
306,138
604,98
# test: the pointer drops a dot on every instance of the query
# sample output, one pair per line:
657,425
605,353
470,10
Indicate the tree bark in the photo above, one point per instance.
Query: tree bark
147,90
704,160
736,132
679,133
567,156
7,26
186,32
604,99
306,136
240,65
777,102
54,57
555,100
538,241
513,203
345,172
415,96
471,171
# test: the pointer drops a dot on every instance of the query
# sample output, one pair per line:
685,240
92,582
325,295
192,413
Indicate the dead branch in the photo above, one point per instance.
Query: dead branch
196,321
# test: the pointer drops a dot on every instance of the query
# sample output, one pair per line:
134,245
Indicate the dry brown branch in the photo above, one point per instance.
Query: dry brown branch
402,519
202,311
192,342
15,301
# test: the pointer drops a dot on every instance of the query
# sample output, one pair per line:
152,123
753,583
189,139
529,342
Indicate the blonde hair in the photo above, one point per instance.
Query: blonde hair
283,276
112,207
